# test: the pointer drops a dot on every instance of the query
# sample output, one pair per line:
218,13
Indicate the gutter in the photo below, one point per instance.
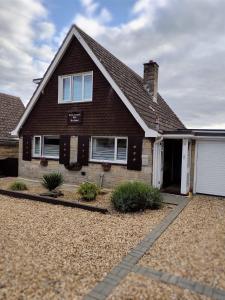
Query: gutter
179,136
194,137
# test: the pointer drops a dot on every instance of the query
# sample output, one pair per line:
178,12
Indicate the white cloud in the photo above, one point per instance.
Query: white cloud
24,53
46,30
94,18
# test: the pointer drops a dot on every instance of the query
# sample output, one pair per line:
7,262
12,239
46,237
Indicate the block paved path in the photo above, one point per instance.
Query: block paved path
129,263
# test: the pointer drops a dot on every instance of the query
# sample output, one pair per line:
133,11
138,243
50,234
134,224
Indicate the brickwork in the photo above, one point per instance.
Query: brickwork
8,151
92,172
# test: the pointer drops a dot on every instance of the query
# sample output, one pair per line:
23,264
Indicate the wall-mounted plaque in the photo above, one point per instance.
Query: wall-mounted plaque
75,117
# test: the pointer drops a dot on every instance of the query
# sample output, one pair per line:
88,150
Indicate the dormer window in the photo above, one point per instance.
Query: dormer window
75,88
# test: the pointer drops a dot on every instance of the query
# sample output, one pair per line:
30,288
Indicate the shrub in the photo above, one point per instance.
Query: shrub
52,180
155,199
88,191
135,196
18,186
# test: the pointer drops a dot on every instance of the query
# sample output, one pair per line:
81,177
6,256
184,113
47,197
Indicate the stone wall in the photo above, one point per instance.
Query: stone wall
92,172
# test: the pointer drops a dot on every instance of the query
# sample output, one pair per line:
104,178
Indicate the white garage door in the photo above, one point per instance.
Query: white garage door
210,168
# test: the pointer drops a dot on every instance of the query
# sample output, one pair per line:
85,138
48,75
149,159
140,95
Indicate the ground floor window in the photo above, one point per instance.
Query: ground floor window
46,146
109,149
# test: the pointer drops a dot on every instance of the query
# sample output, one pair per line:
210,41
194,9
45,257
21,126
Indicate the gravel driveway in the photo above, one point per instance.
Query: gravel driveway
54,252
194,245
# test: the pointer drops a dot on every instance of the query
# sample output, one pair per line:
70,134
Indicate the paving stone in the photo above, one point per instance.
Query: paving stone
113,277
100,287
218,297
111,281
208,291
123,272
198,287
165,277
115,271
156,273
107,289
219,291
94,296
185,283
136,268
173,279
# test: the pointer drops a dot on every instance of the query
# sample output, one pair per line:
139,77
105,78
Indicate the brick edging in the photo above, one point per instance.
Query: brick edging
105,287
54,201
194,286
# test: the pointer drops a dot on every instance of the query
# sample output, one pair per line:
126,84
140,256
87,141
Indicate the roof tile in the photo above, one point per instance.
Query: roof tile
11,109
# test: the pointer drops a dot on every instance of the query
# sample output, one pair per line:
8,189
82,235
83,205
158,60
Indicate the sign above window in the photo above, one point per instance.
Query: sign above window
75,117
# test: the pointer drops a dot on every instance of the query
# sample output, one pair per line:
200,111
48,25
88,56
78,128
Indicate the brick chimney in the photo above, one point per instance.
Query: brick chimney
151,78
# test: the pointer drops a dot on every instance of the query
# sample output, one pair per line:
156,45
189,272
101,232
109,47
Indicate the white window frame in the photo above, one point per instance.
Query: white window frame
115,161
64,77
41,155
60,88
33,146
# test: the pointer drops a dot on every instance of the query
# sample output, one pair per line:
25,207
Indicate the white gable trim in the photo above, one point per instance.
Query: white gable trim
148,132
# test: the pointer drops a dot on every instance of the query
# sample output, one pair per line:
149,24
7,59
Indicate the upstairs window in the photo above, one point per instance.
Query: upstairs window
75,88
109,149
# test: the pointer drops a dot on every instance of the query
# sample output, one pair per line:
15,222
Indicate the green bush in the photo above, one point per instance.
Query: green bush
155,199
135,196
18,186
52,180
88,191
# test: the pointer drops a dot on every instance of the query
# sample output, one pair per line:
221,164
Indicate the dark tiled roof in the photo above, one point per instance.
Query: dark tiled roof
131,85
11,109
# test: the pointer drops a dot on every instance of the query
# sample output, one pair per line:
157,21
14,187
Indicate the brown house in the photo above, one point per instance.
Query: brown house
89,113
11,109
93,118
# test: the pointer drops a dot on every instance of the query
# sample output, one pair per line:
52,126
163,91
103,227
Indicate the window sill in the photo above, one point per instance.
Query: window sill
108,162
74,102
48,158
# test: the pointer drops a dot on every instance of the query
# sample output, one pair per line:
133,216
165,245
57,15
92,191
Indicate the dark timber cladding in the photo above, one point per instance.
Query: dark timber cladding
105,115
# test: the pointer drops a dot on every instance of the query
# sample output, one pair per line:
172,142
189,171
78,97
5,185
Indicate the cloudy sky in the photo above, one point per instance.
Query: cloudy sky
185,37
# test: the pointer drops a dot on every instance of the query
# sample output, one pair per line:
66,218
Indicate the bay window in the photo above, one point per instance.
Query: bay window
46,146
109,149
75,87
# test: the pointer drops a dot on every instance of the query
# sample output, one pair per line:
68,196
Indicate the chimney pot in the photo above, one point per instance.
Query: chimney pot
151,78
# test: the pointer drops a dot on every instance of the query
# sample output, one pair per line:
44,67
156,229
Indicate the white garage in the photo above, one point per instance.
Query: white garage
210,167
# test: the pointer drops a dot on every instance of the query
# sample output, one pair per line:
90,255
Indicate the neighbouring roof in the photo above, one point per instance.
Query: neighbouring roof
152,117
11,109
131,85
